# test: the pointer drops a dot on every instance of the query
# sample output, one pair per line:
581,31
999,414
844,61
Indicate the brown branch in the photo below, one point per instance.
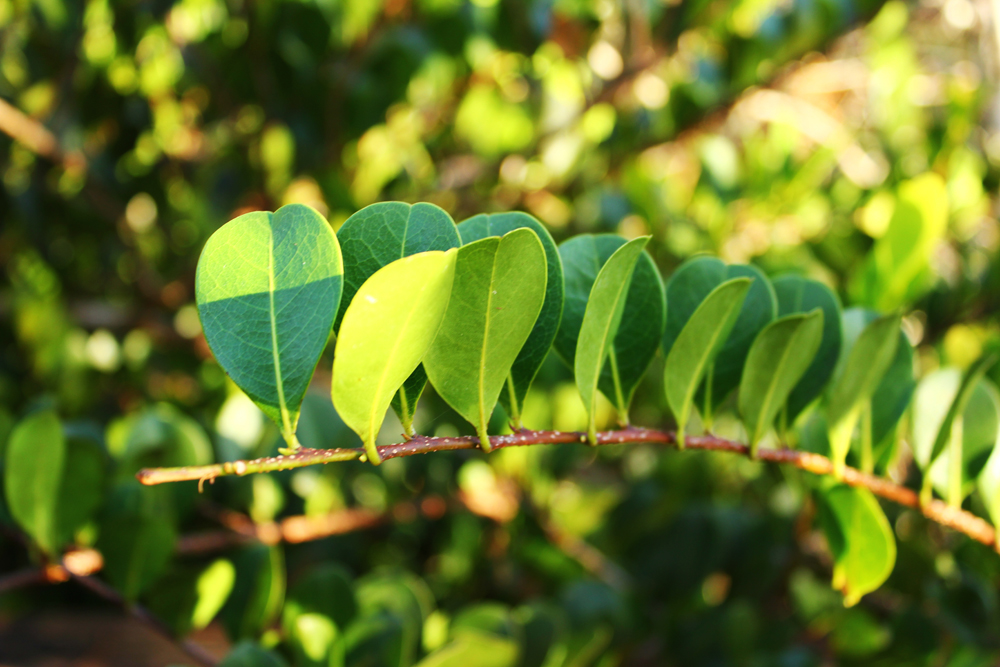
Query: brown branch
957,519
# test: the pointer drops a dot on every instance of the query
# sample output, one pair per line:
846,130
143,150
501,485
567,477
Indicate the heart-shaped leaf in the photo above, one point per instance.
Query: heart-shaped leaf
385,334
268,286
687,289
33,471
864,367
697,344
642,319
498,292
777,361
378,235
535,349
801,295
601,321
860,538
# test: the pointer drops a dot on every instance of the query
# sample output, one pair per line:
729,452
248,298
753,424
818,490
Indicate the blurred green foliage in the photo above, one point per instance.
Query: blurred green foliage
852,141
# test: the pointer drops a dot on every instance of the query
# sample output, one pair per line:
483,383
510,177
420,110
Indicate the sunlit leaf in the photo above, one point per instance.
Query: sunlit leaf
268,286
599,328
863,370
480,649
687,288
642,318
535,349
697,344
378,235
778,359
860,538
801,295
386,331
33,472
497,295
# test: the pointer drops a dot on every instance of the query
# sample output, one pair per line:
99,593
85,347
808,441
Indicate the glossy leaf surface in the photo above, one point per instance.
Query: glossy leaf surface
642,319
535,349
778,359
385,334
688,287
33,471
378,235
599,328
698,344
498,292
800,295
860,538
268,287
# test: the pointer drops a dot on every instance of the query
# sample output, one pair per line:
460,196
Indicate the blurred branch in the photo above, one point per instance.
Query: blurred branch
937,511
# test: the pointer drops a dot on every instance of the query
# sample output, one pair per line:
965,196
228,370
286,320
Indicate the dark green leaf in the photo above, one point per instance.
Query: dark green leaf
860,538
601,321
136,551
259,591
498,292
325,590
800,295
385,334
641,322
33,472
268,286
530,359
688,288
378,235
777,360
699,342
249,654
81,492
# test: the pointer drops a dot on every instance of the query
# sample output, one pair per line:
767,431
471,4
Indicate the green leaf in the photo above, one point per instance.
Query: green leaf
188,597
801,295
325,590
249,654
863,370
81,492
698,343
687,289
268,286
896,271
33,472
385,334
213,587
378,235
970,380
642,318
779,357
535,349
601,320
970,436
258,593
497,295
136,549
392,610
860,539
479,649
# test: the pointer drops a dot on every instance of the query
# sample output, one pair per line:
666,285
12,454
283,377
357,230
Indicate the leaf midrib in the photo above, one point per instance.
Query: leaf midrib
483,420
602,355
769,394
693,386
279,383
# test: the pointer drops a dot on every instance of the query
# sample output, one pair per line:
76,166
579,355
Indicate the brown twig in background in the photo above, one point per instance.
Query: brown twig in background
957,519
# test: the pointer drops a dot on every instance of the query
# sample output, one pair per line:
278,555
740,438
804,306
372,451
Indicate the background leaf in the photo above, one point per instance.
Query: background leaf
268,287
480,649
137,549
642,319
860,538
599,328
81,492
248,654
782,353
863,370
701,339
498,292
797,294
33,471
688,287
258,593
386,332
536,348
378,235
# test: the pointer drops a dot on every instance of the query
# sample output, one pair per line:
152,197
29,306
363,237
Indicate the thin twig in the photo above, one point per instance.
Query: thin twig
940,512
